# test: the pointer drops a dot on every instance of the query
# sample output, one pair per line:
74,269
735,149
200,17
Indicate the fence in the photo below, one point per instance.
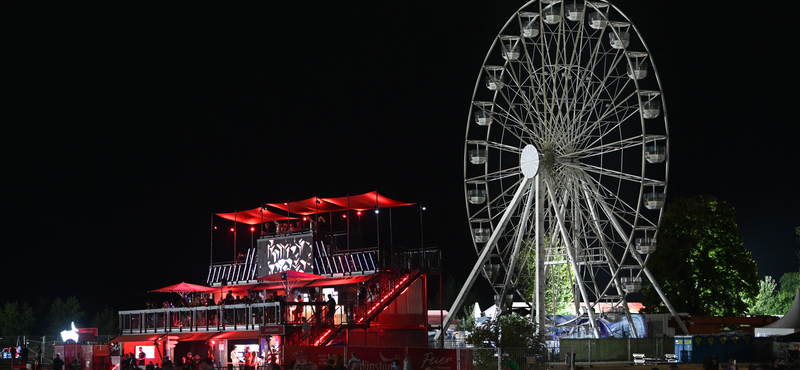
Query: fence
496,358
46,342
610,349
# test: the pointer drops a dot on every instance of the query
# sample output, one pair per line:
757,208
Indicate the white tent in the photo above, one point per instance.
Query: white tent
788,324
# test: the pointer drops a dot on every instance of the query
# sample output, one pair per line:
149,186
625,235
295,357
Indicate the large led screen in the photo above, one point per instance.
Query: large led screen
292,252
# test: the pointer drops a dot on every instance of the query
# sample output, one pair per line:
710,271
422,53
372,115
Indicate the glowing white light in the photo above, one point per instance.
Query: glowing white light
70,334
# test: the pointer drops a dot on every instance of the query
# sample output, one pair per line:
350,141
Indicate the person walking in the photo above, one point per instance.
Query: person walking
23,354
354,363
58,363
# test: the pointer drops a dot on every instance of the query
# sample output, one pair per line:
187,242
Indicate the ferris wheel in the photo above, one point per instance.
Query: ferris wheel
566,158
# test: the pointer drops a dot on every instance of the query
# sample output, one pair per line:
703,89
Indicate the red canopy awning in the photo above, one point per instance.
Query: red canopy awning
366,201
290,275
361,202
183,288
254,216
308,206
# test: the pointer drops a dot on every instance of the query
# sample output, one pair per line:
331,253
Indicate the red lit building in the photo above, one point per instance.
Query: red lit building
392,313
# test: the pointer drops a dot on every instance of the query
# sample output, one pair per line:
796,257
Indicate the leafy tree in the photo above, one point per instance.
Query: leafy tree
507,331
765,303
16,319
789,284
558,294
106,321
701,263
62,313
468,321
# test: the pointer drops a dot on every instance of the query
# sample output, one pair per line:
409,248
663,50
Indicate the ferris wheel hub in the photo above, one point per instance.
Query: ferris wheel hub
529,161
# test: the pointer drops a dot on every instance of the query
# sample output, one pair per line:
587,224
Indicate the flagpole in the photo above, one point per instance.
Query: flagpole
234,235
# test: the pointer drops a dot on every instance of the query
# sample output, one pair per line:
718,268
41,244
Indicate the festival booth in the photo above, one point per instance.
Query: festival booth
304,252
78,345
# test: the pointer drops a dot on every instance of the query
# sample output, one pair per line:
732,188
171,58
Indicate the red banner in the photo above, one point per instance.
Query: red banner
437,359
377,358
311,358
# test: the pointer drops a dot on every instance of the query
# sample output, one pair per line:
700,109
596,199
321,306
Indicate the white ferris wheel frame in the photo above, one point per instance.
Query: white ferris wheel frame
546,95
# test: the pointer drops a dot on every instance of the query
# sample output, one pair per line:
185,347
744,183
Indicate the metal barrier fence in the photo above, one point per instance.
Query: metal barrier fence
611,349
496,358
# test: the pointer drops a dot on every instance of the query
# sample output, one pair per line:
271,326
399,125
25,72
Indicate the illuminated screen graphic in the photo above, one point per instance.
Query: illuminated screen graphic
292,252
149,351
239,349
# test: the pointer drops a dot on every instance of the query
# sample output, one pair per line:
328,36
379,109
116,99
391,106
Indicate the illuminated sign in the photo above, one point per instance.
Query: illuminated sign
279,254
265,330
70,334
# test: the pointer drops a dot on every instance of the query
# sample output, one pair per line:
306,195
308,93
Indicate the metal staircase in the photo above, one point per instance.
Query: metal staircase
391,284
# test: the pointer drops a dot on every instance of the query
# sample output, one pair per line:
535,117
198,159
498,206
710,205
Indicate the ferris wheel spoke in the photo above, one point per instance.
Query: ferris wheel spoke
599,123
496,175
509,113
495,145
533,114
499,201
607,148
616,174
624,208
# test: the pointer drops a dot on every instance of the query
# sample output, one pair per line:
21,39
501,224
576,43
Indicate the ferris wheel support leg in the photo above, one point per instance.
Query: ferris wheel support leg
665,300
650,277
573,262
540,257
610,257
484,256
512,265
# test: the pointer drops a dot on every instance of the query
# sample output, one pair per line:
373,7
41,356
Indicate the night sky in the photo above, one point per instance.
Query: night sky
126,127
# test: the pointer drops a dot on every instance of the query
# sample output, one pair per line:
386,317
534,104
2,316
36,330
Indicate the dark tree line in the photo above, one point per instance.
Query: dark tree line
50,318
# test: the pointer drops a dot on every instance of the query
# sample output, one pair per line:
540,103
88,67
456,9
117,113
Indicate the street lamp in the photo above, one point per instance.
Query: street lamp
421,238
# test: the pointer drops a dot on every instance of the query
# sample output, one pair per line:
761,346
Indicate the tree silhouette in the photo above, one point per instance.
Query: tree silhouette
701,263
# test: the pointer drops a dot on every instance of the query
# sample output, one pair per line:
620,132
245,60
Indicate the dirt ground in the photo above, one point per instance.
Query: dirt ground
628,366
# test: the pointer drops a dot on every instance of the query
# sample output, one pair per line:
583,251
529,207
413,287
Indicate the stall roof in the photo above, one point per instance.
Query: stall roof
788,324
186,336
255,216
344,280
361,202
136,337
238,334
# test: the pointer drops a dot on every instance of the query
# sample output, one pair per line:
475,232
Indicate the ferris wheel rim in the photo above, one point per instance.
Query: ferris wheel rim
643,180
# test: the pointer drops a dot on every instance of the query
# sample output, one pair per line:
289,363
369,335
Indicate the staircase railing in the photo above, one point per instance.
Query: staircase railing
390,285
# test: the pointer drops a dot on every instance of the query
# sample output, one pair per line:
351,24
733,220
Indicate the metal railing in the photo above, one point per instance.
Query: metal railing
210,318
234,271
